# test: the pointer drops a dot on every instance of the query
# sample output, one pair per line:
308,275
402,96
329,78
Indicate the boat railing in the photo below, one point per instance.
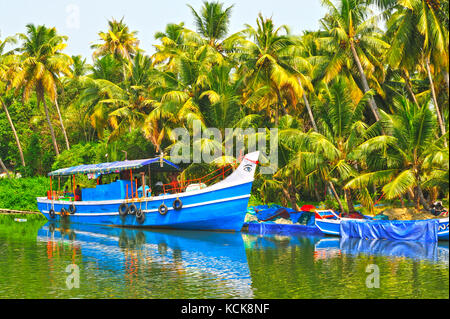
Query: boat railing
180,186
326,214
60,195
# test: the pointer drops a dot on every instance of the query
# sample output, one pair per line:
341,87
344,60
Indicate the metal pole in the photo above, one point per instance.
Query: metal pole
143,184
73,187
131,180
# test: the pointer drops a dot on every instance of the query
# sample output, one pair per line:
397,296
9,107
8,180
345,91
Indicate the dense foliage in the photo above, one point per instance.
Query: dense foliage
361,104
21,193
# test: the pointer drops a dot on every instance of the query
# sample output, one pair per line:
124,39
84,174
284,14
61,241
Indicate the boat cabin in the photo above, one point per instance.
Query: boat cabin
133,180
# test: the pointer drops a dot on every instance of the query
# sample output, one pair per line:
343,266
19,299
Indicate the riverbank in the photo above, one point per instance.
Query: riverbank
20,193
29,216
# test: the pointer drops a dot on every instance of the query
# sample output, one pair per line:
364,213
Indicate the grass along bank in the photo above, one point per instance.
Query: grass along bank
21,193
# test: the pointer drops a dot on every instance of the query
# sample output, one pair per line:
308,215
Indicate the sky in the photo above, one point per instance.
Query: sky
81,20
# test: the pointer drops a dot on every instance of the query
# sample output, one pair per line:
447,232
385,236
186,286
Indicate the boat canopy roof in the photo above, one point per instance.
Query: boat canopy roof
161,164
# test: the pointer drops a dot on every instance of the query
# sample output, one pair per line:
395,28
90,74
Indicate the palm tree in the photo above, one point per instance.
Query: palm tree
79,66
135,103
7,62
107,68
419,35
342,131
268,66
108,105
42,63
94,101
407,158
352,33
119,42
176,95
406,48
172,44
212,22
291,176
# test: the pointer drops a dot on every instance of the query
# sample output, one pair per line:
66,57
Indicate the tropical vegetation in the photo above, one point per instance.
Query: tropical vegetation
361,104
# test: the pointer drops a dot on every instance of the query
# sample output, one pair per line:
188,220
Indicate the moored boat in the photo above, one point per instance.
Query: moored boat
330,223
182,205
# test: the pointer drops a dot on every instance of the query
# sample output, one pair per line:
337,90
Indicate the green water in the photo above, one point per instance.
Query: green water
117,263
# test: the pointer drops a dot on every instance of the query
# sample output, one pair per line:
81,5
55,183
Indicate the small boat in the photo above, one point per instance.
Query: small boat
329,222
264,220
182,204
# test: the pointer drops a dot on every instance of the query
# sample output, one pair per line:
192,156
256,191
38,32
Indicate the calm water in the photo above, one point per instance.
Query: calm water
118,263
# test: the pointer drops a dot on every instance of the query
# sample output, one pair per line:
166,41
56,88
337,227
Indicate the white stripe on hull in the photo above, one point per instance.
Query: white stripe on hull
211,188
169,208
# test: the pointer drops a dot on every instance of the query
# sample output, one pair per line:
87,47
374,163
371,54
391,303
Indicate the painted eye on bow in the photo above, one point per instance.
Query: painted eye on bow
248,168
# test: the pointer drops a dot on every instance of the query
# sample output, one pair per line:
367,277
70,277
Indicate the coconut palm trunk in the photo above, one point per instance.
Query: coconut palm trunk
2,165
445,73
348,198
313,122
366,88
409,87
14,132
433,93
311,117
336,196
308,107
50,126
62,124
422,199
289,196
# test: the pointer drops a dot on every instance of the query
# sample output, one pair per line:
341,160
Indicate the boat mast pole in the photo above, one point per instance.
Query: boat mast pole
73,186
51,193
131,180
149,180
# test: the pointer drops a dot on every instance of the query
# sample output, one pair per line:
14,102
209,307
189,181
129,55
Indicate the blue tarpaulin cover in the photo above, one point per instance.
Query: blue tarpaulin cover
269,213
419,230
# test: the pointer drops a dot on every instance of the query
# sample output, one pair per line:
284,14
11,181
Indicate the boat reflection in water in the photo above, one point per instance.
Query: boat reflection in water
215,260
431,251
305,267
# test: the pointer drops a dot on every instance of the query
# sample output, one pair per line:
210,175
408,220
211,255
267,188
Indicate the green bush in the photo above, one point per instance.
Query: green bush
21,193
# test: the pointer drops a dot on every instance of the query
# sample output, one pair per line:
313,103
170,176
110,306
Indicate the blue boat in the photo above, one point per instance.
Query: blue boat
182,205
330,223
265,216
